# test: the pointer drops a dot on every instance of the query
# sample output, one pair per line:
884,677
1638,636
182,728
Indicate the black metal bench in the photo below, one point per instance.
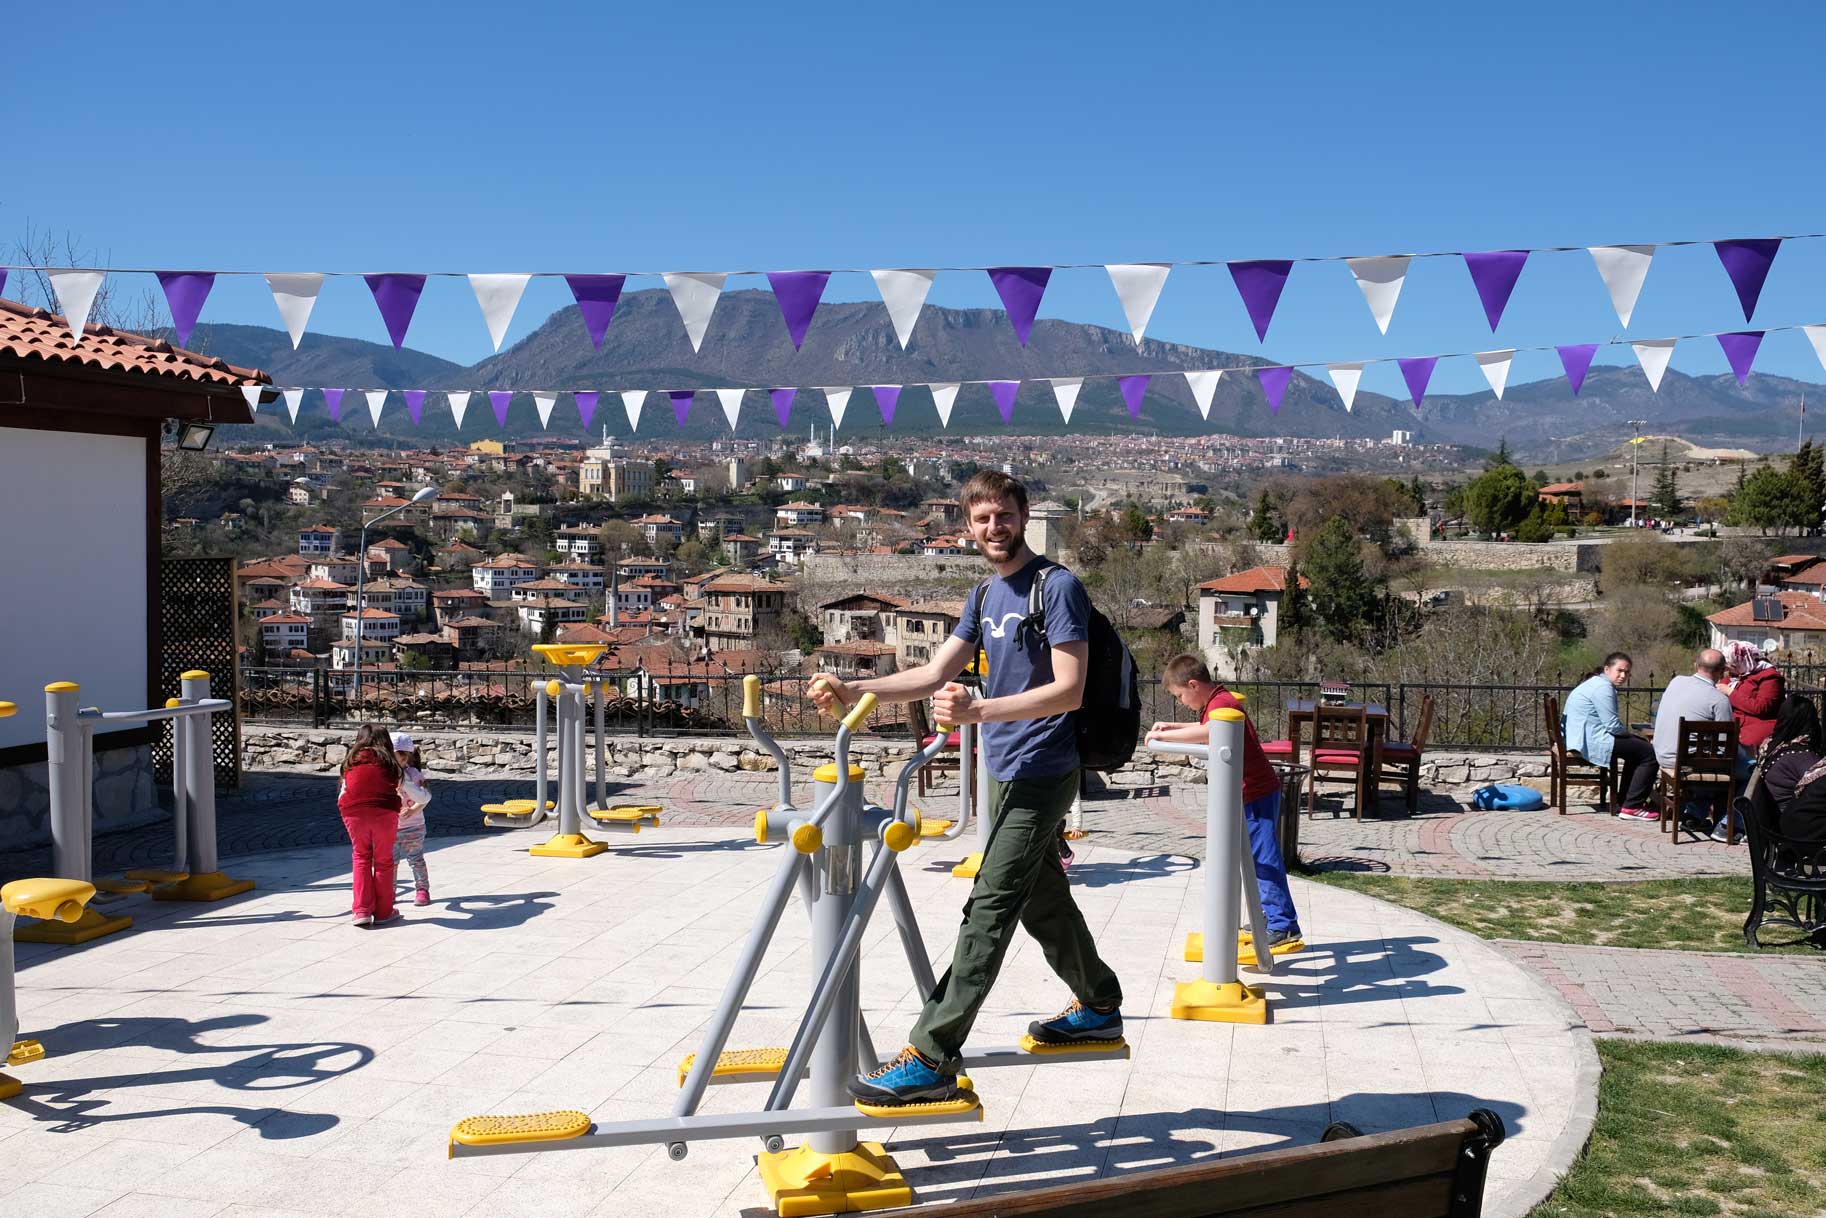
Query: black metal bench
1788,876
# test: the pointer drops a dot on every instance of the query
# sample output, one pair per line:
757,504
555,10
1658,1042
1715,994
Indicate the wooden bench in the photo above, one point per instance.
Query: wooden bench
1787,876
1429,1171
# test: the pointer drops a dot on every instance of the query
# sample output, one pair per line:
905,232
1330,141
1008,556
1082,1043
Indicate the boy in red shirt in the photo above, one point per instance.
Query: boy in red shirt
1190,681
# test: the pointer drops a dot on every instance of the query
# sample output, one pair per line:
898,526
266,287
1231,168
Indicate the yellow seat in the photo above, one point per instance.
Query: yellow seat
47,899
743,1063
531,1127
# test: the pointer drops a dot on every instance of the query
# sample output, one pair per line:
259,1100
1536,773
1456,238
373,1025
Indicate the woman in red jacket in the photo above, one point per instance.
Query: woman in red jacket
369,802
1756,689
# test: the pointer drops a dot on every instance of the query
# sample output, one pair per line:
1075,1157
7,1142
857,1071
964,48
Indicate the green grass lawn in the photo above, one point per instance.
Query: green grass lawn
1702,915
1698,1129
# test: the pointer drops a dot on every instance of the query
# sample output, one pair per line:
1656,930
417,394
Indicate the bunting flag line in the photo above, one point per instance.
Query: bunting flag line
1747,262
1653,354
695,296
185,292
1493,274
75,292
731,402
252,394
396,296
332,401
1817,336
459,405
1020,288
1380,280
1134,388
1274,384
944,397
586,400
543,403
1417,372
415,404
1495,367
887,399
904,294
596,296
1259,284
1004,393
783,404
1576,359
1623,268
294,398
798,293
1344,377
295,296
1203,386
499,296
1138,287
631,402
1065,392
1740,352
377,398
681,404
499,400
838,399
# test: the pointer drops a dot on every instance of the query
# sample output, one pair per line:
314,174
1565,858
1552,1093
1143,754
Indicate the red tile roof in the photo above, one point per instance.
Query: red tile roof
1255,579
1800,611
27,333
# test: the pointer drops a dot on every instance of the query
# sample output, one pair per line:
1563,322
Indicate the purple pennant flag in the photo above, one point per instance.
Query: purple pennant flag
332,398
1747,263
596,296
1493,273
1003,392
1020,288
2,279
499,398
397,297
681,404
185,293
783,403
1134,388
1576,359
1740,349
798,293
887,397
415,404
586,398
1274,384
1417,372
1260,284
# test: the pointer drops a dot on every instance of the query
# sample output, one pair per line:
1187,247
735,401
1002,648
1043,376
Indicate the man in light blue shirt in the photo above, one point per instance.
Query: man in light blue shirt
1595,731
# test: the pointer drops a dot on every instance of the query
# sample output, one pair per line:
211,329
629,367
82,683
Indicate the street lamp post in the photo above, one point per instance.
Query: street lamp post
425,494
1636,425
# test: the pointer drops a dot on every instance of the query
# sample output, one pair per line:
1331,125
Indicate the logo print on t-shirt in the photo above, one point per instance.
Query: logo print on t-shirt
998,627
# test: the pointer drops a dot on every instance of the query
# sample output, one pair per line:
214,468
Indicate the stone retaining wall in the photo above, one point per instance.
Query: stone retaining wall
124,797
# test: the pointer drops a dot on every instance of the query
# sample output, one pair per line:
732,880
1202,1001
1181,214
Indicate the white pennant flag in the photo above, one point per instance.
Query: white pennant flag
1138,287
376,399
631,401
1203,386
1623,268
459,402
75,291
695,296
1065,389
904,292
731,400
1380,280
296,296
543,402
839,400
252,394
1653,354
1345,377
1495,366
944,396
293,399
499,296
1817,336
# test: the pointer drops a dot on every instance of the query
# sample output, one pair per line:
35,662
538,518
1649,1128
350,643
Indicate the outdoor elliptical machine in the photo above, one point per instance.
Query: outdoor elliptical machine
834,1171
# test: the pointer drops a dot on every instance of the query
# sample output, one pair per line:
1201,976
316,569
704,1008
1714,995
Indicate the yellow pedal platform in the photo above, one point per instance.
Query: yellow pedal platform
568,846
24,1051
967,869
627,814
9,1087
739,1063
92,925
965,1102
121,888
207,886
516,807
532,1127
934,827
803,1181
1040,1048
1219,1002
1245,949
154,876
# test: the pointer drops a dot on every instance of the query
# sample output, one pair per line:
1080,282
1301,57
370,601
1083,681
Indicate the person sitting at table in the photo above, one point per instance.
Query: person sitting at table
1695,697
1595,732
1756,689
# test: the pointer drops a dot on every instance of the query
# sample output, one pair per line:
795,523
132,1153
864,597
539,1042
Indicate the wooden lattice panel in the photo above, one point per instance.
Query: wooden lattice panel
197,629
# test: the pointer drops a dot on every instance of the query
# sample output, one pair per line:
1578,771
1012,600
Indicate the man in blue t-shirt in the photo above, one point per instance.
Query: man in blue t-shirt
1030,745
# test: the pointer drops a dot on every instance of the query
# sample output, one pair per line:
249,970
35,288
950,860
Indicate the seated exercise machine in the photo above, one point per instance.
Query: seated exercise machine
834,1171
571,694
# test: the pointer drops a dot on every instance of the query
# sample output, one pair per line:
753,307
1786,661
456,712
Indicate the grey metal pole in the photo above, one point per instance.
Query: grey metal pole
66,777
180,798
200,778
910,939
1252,901
1223,807
602,749
9,1007
833,1057
541,746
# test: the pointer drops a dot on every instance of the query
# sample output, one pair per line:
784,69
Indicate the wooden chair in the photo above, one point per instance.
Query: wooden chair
1705,760
948,759
1340,744
1399,760
1566,767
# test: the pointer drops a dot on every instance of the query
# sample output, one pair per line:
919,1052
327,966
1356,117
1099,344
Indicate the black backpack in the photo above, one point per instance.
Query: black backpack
1109,720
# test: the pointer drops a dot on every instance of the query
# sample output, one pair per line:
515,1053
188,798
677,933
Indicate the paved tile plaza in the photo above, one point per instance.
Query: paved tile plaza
263,1057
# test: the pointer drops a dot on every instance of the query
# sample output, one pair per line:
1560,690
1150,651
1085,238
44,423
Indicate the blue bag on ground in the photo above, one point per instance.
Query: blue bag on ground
1511,797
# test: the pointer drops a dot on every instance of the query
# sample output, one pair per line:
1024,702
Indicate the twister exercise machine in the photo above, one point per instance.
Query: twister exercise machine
833,1171
572,694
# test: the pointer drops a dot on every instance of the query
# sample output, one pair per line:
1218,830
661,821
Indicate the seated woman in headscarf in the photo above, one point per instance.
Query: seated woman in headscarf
1790,791
1756,689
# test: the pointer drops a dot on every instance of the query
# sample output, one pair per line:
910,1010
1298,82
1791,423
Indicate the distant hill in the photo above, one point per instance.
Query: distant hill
852,344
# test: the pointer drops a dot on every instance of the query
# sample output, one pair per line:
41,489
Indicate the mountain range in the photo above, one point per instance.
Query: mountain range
853,344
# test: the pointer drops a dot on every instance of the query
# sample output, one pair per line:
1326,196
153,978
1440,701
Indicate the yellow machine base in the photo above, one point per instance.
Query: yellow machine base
92,925
1245,951
24,1051
803,1181
967,869
1040,1048
209,886
966,1105
1214,1002
532,1127
739,1063
122,888
9,1087
568,846
627,814
152,875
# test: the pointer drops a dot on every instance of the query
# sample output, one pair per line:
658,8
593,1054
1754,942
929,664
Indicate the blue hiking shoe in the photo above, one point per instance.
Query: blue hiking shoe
908,1079
1075,1024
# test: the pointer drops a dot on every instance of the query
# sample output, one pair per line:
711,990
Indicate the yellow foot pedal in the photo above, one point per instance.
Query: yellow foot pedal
1041,1048
627,814
964,1102
934,827
739,1064
24,1051
152,875
1077,835
967,869
803,1181
533,1127
1245,950
121,888
9,1087
204,886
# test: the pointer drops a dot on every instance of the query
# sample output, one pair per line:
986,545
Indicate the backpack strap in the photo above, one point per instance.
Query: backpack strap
1035,621
971,675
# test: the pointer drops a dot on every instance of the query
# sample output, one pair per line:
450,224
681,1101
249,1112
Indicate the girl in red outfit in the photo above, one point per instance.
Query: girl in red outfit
369,802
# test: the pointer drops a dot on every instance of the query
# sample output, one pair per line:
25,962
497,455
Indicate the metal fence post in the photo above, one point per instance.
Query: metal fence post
67,778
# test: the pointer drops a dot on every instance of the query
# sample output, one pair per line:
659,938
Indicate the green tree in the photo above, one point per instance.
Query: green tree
1265,524
1344,597
1296,605
1417,492
1667,488
1501,456
1808,466
1500,499
1135,523
1771,499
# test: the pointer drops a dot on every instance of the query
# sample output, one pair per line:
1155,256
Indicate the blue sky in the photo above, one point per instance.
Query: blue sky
407,136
